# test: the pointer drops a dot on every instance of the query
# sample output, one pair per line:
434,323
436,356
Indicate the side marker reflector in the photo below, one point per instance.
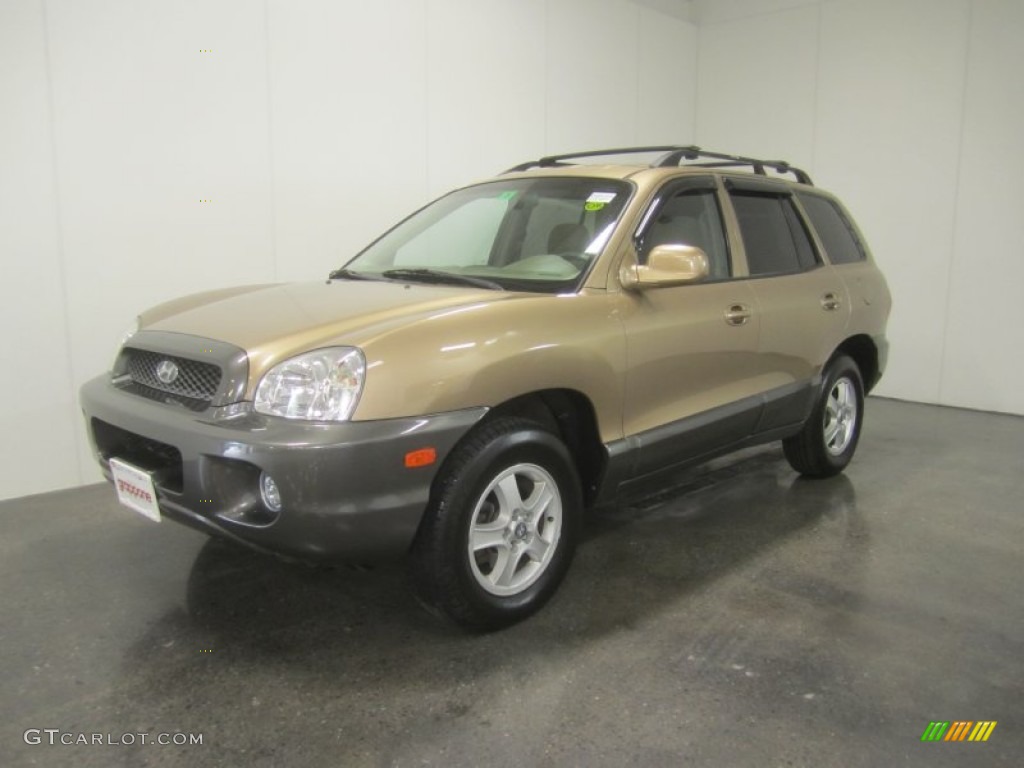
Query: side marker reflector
424,457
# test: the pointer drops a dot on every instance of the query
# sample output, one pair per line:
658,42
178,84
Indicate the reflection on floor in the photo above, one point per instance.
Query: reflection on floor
743,617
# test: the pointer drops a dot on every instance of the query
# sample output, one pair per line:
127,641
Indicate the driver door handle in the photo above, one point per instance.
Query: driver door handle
738,314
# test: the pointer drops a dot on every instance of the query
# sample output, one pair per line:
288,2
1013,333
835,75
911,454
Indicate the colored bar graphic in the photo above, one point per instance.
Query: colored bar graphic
958,730
982,731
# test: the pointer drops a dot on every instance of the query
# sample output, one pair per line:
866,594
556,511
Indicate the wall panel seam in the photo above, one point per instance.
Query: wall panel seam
61,251
817,89
954,230
270,145
637,32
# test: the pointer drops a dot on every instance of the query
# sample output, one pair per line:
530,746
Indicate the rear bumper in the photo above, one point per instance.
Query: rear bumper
346,492
882,345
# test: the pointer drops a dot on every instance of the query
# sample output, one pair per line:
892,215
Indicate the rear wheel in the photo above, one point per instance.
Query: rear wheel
499,533
829,438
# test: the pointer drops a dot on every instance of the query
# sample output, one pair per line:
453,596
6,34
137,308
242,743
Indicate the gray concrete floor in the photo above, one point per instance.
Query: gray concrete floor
744,618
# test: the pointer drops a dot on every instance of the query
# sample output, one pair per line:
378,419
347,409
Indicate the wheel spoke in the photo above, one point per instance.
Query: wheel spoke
830,433
851,410
832,408
537,549
488,536
505,567
539,501
844,434
842,395
509,497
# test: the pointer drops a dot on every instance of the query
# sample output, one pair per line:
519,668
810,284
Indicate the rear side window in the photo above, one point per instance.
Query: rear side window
773,234
834,229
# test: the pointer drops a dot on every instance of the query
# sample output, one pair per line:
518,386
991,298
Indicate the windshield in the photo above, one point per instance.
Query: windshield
520,234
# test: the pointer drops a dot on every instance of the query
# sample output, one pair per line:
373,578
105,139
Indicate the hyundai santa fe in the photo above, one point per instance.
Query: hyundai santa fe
514,354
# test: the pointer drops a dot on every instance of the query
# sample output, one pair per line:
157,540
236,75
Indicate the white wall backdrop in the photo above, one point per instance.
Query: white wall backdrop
307,125
912,111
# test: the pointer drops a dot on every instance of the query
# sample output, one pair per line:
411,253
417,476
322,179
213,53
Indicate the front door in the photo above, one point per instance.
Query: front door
694,375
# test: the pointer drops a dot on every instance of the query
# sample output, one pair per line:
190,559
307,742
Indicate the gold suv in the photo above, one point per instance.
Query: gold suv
505,358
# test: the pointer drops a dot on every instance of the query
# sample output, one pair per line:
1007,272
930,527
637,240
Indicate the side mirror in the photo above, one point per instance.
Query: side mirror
666,265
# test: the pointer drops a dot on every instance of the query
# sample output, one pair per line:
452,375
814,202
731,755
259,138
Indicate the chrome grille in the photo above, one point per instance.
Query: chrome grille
195,380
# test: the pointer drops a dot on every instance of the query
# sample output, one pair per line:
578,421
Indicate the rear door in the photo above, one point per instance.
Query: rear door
802,303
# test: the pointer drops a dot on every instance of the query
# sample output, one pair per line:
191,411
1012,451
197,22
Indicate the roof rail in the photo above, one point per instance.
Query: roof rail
673,155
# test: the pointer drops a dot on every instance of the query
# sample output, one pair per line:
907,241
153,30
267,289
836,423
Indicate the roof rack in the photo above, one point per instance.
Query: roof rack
673,155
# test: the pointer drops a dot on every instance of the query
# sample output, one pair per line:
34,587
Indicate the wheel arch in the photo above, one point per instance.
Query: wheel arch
568,414
862,349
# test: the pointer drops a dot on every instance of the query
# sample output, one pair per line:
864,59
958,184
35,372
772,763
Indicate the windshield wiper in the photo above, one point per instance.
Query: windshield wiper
437,276
348,274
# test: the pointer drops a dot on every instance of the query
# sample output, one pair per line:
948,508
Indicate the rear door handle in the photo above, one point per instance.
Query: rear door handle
830,302
737,314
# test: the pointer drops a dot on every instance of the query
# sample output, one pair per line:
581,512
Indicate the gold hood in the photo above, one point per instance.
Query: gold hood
272,322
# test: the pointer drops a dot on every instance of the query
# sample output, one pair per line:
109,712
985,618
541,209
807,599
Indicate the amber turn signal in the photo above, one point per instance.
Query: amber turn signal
422,458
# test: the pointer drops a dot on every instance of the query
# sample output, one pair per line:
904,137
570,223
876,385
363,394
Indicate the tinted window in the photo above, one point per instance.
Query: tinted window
774,237
690,217
836,234
804,249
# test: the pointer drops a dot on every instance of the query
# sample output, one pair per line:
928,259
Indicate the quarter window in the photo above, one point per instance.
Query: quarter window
773,234
834,229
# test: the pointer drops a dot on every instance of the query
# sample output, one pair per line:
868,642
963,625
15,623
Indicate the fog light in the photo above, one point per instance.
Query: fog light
269,493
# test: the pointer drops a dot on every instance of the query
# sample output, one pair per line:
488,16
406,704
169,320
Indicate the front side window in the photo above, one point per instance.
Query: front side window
773,234
521,234
689,217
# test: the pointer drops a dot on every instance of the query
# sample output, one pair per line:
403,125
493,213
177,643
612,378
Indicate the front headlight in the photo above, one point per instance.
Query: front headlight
125,338
322,385
129,332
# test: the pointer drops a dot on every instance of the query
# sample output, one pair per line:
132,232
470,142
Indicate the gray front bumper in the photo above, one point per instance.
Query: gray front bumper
345,489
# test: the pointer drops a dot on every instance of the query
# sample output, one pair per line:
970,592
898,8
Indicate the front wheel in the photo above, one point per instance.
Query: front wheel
829,438
501,527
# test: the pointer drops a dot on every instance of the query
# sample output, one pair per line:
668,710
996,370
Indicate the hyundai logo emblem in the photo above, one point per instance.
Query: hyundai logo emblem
167,371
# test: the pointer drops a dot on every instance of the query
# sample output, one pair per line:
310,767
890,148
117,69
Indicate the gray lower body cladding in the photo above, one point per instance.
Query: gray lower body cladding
345,489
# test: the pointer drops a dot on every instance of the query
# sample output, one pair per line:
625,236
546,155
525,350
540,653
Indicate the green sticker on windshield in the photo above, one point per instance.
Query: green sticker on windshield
507,194
594,206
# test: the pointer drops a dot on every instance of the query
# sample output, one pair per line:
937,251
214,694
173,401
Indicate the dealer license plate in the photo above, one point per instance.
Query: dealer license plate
135,489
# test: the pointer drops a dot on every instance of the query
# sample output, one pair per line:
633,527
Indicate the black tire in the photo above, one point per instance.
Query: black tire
467,588
829,438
